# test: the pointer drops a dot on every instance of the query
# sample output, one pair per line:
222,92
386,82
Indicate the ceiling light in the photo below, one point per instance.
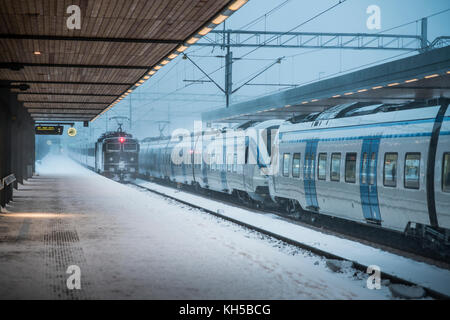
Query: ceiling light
181,48
137,84
362,90
141,81
336,96
37,53
314,100
393,84
411,80
146,77
172,56
204,31
192,40
158,67
432,76
152,72
219,19
237,4
129,91
378,87
165,62
348,93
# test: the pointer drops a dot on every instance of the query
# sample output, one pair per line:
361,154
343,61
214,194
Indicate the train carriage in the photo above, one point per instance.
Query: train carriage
376,163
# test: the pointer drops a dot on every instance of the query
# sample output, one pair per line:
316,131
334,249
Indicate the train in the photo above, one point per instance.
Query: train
115,155
387,165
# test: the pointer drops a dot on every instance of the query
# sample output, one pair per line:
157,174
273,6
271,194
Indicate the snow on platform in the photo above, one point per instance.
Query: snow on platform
134,244
428,276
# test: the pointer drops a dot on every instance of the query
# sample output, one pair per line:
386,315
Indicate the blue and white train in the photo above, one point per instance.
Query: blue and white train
375,163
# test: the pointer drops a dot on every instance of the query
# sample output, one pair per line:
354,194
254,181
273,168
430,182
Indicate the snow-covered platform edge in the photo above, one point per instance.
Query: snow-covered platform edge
428,276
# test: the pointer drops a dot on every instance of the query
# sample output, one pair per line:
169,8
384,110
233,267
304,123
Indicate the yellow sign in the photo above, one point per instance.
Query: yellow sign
72,132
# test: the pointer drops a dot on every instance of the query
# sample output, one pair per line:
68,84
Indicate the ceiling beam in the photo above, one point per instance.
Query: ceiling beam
68,94
66,102
96,39
73,82
16,66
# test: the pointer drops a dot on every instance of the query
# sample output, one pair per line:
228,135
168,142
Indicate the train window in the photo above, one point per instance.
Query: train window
390,170
364,168
286,159
373,168
350,167
113,147
446,173
335,174
130,147
322,166
412,170
296,165
313,166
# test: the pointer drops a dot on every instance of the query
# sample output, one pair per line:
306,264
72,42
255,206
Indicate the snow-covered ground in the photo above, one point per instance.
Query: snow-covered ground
134,244
420,273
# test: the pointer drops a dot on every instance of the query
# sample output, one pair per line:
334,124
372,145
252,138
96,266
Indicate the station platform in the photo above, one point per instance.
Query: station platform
132,244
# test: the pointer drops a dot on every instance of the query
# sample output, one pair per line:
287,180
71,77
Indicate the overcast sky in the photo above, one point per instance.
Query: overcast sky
168,97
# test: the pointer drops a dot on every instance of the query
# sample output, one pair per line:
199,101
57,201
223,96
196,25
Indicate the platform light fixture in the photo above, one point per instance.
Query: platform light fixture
336,96
37,53
193,40
157,67
182,48
204,31
348,93
393,84
362,90
237,4
219,19
377,87
304,102
432,76
314,100
146,77
172,56
164,62
411,80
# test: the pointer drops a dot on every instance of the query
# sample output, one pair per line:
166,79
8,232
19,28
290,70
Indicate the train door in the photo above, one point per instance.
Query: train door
368,179
310,176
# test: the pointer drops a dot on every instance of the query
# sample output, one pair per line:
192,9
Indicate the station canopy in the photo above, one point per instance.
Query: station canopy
420,77
77,74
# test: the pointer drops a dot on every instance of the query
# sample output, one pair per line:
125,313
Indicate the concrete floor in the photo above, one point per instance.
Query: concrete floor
131,244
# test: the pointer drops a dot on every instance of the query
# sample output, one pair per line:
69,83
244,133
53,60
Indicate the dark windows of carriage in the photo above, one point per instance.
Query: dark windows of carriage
373,168
412,170
364,168
296,165
446,173
113,147
350,167
335,170
322,166
390,170
286,159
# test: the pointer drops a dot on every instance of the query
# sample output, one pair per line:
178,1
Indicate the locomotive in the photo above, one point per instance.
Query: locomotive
114,155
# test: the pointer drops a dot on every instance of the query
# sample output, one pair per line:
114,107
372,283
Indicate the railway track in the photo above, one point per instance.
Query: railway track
328,255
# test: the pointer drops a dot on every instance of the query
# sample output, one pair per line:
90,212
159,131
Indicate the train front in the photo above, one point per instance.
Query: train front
121,156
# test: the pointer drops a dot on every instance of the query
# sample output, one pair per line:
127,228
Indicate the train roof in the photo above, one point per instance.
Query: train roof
355,109
114,134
